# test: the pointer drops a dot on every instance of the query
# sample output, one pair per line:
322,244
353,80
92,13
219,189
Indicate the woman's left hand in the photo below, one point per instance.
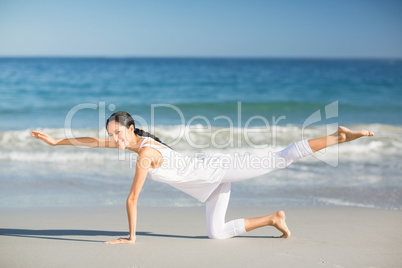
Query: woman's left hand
121,241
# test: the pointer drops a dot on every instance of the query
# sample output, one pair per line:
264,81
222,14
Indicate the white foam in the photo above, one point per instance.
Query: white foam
18,145
338,202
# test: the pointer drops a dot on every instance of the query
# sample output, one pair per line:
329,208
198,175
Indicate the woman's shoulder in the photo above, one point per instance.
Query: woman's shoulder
146,151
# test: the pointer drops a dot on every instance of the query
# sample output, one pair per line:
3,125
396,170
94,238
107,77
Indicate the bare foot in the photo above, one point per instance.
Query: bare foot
345,135
280,223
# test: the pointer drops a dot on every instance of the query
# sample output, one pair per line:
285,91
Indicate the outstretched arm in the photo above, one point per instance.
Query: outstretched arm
141,171
85,141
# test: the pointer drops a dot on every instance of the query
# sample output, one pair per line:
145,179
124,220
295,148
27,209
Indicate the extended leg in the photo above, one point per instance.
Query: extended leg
342,135
251,166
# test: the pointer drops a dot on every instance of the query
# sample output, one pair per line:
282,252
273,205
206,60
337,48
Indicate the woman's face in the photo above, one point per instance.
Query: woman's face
120,135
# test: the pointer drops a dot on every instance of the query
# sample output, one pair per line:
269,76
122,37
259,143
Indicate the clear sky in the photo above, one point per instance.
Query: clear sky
202,28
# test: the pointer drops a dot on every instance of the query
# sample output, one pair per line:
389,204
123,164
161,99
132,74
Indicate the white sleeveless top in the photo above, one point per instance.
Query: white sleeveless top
198,177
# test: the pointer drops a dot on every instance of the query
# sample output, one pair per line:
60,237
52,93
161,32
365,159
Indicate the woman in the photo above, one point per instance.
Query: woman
206,179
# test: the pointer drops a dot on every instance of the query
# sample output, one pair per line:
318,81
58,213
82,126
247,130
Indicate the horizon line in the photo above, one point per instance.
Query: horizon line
201,57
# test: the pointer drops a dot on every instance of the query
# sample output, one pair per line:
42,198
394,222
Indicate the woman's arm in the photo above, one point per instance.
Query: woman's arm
85,141
141,171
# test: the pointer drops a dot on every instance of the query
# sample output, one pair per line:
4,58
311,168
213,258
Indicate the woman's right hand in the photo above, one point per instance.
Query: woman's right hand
43,136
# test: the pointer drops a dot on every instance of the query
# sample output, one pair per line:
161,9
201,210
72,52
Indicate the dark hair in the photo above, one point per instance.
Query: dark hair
125,119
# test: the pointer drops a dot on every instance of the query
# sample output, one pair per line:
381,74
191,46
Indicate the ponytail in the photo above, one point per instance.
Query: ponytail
142,133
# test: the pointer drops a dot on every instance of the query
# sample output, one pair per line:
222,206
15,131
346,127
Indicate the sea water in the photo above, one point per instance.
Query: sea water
219,105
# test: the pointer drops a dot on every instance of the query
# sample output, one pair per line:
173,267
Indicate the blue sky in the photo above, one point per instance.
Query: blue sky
219,28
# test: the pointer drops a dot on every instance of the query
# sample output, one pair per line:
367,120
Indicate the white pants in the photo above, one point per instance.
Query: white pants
217,203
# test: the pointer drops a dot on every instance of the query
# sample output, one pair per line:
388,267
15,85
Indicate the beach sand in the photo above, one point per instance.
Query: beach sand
176,237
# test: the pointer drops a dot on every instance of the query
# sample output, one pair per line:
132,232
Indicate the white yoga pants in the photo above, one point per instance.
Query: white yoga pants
217,203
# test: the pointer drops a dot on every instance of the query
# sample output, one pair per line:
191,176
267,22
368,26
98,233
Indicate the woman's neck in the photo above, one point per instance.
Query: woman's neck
135,144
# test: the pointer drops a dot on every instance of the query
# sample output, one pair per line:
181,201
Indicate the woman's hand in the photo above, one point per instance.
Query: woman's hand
121,241
43,136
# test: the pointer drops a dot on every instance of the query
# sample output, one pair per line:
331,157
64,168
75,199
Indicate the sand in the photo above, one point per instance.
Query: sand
176,237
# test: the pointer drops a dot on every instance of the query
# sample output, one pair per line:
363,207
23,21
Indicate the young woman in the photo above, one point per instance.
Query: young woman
207,179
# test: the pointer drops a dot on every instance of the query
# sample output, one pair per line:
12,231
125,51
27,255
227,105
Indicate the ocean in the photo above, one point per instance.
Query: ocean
201,105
